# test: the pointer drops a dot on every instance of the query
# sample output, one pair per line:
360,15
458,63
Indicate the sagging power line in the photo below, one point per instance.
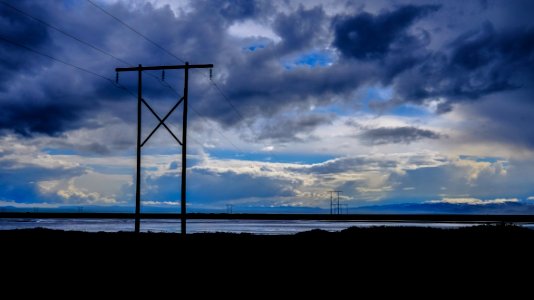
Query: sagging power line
64,32
210,77
109,80
102,51
134,30
59,60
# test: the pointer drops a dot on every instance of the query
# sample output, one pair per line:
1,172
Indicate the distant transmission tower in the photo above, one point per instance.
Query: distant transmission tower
333,204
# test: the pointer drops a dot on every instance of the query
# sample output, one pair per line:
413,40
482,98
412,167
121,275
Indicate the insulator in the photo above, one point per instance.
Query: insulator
211,74
117,77
162,75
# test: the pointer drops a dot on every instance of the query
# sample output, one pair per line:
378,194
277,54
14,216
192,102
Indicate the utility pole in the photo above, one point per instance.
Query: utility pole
138,170
183,219
338,206
139,69
331,195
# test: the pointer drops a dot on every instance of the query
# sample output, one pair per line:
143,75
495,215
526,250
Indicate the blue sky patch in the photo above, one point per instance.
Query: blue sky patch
314,59
253,47
481,158
54,151
274,157
310,60
409,110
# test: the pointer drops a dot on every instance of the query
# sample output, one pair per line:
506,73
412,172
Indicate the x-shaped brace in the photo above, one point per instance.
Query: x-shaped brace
162,121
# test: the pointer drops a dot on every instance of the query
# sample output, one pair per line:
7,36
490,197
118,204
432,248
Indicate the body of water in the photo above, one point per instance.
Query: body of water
198,226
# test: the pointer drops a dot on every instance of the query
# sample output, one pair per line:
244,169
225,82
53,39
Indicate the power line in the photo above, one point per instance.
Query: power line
181,60
205,119
168,52
111,81
162,82
228,100
216,130
74,37
133,29
58,60
63,32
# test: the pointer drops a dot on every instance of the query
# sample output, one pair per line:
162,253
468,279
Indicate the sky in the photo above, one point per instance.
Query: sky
388,101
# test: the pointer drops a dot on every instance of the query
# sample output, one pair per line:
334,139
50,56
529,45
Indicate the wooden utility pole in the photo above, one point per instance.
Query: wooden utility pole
183,143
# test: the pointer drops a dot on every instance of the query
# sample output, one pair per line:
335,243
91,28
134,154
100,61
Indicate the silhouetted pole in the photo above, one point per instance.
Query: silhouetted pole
140,69
331,199
138,171
184,151
338,206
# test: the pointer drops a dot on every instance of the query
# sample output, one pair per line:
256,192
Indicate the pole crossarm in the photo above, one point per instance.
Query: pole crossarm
156,68
162,121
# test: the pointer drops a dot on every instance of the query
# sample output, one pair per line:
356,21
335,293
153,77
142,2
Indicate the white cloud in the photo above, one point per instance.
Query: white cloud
161,203
28,205
475,201
268,148
252,29
475,168
530,198
362,178
86,189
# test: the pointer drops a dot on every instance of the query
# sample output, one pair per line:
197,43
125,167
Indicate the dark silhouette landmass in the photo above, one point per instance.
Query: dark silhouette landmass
386,260
346,247
410,259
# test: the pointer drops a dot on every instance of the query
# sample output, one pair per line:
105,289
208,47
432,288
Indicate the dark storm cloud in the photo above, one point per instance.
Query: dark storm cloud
504,122
394,46
21,31
200,35
477,63
369,37
268,91
35,96
349,164
299,29
288,129
242,9
365,163
259,77
397,135
48,117
38,103
39,95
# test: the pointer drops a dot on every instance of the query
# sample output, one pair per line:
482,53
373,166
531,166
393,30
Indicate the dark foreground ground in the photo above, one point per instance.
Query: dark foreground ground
498,253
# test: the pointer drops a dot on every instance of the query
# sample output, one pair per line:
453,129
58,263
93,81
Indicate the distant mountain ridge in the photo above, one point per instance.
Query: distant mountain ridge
510,208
